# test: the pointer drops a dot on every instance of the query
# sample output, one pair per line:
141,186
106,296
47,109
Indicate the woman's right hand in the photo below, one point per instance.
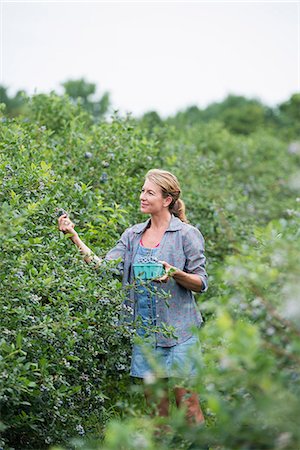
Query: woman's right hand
66,225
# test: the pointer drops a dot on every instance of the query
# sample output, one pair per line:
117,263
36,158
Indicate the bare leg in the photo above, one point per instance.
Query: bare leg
190,401
158,403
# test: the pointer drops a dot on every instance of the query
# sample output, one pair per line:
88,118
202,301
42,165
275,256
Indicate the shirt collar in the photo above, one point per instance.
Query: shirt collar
175,225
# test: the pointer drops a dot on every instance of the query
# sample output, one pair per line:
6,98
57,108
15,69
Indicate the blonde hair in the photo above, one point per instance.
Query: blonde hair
170,187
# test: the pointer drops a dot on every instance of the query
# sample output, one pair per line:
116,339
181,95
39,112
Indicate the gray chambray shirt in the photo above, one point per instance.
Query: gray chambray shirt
182,246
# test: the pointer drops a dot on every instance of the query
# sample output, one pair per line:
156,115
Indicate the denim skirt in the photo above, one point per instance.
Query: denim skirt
177,361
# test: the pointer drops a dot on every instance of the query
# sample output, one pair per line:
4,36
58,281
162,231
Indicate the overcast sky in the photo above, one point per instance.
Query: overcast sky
161,56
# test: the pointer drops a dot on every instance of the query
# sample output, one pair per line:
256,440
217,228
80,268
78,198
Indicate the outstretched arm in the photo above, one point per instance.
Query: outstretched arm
67,226
87,253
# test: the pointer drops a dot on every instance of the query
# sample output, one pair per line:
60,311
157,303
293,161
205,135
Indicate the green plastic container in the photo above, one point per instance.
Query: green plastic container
148,271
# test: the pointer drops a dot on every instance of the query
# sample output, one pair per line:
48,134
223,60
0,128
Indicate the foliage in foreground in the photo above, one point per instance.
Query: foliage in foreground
64,358
248,377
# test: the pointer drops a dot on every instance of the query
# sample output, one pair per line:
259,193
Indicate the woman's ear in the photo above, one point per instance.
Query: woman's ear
168,201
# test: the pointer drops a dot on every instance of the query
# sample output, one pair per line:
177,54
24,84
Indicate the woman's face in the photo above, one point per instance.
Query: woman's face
152,201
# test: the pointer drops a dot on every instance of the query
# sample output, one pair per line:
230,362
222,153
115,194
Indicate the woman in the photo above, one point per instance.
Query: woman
168,237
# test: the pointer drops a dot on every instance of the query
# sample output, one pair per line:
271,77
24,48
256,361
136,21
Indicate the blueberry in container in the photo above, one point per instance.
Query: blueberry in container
148,271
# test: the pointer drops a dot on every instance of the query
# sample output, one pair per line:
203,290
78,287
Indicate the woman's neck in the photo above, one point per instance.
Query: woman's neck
160,221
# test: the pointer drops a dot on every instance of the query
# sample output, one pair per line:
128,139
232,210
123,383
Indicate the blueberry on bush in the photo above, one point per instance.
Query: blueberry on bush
61,212
104,177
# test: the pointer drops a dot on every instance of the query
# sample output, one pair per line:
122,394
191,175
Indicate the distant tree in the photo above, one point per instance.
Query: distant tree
244,119
102,106
292,107
289,116
239,114
189,116
151,119
81,90
3,95
194,113
14,105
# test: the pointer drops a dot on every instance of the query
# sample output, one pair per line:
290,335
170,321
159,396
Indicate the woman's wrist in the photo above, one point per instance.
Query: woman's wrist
75,238
176,273
84,249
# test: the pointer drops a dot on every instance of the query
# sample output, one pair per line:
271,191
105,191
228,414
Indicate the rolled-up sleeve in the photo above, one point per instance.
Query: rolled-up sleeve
194,247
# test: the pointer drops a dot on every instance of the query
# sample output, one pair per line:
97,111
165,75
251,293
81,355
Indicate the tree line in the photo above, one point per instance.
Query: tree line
239,114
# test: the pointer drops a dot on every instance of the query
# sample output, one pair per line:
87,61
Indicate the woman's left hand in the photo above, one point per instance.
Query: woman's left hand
170,270
191,281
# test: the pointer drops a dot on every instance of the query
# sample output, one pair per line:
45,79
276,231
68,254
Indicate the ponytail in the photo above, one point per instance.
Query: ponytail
178,209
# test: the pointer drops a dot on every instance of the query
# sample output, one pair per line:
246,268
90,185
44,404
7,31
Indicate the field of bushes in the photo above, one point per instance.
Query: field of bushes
64,360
